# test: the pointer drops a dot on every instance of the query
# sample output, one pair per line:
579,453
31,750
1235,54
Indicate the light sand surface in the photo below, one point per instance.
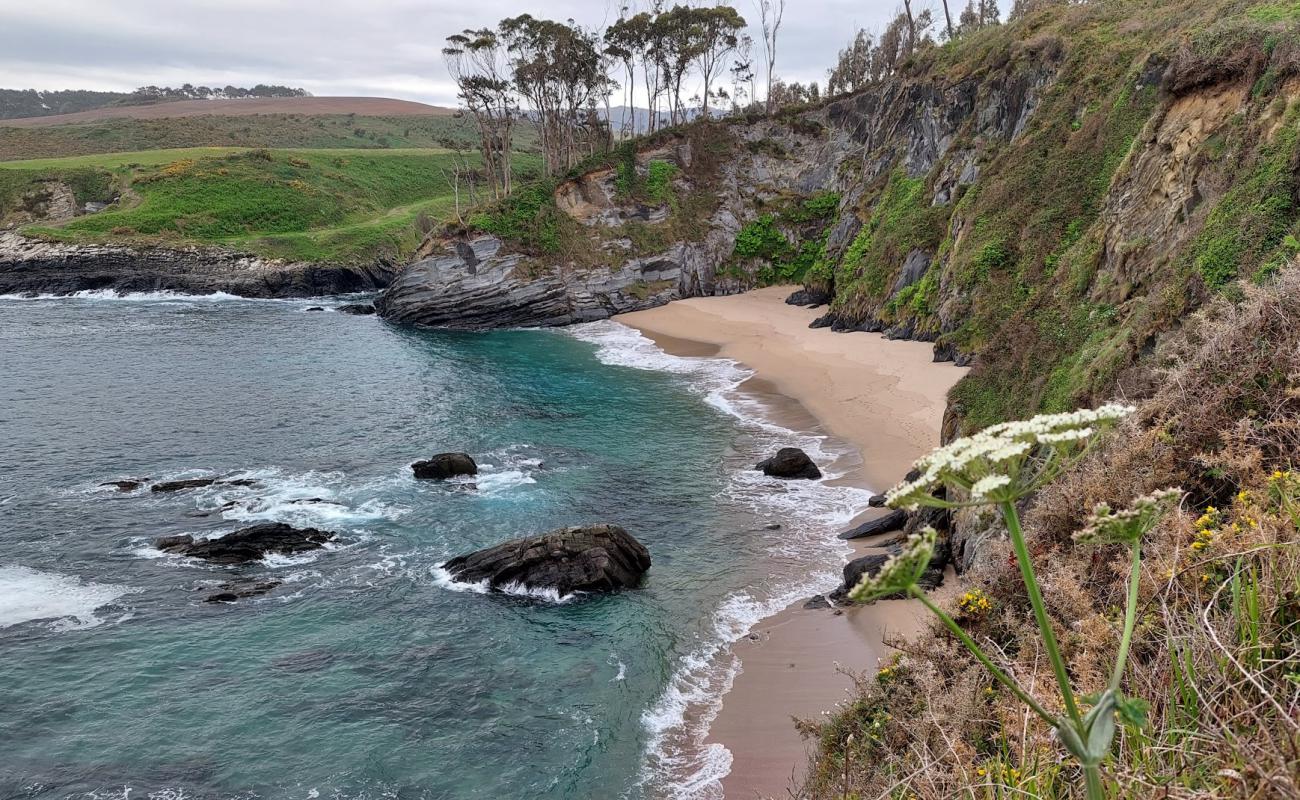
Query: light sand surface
884,397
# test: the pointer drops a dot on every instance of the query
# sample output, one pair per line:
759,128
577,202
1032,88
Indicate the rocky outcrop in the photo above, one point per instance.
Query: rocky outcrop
790,463
594,558
868,565
30,266
444,466
247,544
357,309
477,285
893,521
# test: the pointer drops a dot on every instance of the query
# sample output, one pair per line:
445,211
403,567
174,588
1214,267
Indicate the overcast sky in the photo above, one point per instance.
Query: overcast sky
389,48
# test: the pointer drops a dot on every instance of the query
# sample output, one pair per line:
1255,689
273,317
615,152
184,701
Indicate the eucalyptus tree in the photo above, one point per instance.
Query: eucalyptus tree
477,61
625,43
770,14
559,71
715,34
742,72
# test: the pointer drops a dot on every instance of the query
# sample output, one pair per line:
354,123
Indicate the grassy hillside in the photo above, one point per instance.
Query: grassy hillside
261,130
1138,240
310,204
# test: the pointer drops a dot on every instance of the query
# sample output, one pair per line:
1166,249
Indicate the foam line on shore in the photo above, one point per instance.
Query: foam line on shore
679,763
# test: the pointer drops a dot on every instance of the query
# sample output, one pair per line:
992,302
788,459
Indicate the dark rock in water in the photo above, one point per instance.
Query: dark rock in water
817,601
247,544
876,501
790,462
810,298
314,308
230,592
178,486
772,526
593,558
444,466
893,521
124,486
172,543
357,309
199,483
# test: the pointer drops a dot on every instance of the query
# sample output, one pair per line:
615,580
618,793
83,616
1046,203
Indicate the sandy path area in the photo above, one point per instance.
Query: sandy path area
884,397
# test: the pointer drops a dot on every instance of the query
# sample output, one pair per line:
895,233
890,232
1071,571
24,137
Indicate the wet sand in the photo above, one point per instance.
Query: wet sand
884,397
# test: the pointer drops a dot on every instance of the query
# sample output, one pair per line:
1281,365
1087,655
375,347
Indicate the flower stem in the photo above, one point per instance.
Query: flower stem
1002,678
1130,617
1012,518
1092,776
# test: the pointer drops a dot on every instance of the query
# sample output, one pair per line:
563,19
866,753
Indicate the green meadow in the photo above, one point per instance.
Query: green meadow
319,204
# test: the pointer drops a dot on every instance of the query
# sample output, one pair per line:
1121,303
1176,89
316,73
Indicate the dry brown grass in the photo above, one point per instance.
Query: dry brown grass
1217,648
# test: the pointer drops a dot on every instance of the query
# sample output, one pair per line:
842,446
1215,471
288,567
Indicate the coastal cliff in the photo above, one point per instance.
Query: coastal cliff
32,267
1042,201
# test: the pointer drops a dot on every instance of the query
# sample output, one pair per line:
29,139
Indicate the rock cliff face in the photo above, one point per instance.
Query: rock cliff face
474,285
632,259
29,266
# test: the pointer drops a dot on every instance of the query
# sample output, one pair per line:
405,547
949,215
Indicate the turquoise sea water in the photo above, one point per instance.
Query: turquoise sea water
366,674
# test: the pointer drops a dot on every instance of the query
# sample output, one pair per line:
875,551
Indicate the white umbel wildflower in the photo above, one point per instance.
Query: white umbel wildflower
1015,457
987,485
901,571
1128,526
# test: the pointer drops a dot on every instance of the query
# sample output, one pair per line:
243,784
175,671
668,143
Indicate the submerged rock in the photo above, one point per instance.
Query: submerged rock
790,462
893,521
593,558
124,486
178,486
247,544
444,466
199,483
230,592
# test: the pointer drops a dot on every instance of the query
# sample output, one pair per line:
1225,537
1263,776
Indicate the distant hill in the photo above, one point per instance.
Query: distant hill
24,103
15,103
309,106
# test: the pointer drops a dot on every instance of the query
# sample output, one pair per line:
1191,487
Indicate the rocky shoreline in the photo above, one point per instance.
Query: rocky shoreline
33,267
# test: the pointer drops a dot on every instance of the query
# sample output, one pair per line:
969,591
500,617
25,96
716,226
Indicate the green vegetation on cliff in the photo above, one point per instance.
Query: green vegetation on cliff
1137,239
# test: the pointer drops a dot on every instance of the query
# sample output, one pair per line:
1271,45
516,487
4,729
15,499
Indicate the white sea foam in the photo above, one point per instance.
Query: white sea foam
169,296
679,764
445,580
28,595
308,499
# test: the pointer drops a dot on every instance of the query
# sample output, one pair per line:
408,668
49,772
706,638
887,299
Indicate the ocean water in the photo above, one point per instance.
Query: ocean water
366,673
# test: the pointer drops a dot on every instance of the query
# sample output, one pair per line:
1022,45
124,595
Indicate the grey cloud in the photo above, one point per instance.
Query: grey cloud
336,47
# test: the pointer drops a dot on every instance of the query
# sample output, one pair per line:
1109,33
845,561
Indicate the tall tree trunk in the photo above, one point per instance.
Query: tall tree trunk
911,27
947,16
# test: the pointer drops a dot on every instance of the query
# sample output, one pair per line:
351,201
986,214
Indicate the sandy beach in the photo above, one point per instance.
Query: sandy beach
886,398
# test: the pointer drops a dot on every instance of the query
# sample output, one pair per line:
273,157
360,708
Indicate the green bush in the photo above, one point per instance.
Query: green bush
528,217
